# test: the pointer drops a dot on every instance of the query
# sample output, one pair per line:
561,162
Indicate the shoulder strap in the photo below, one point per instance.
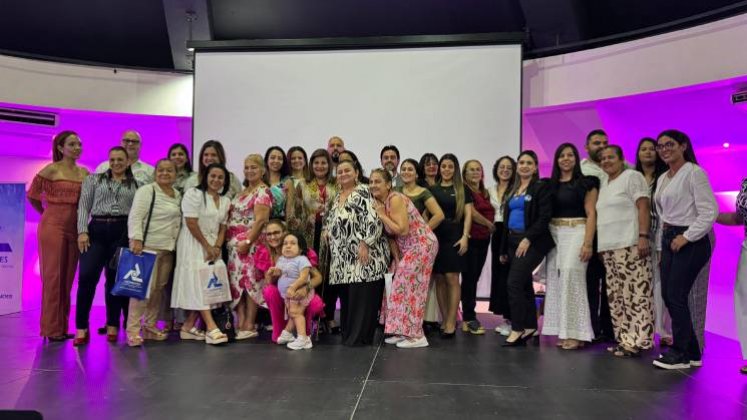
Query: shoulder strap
150,213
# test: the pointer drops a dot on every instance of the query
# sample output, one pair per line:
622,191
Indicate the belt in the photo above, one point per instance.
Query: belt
109,219
668,226
568,222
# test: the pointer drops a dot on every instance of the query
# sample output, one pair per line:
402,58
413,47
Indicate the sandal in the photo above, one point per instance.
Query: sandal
572,344
192,334
134,340
626,354
216,337
153,333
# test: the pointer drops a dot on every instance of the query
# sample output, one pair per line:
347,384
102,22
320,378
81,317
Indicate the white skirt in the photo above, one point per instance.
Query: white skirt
567,312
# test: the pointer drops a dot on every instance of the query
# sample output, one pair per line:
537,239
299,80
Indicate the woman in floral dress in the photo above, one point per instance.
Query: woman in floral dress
249,213
414,247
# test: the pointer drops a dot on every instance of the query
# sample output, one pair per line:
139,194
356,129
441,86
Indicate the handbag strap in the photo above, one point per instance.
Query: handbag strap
150,213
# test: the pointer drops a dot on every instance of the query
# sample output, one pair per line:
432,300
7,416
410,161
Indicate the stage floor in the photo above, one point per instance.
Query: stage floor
470,377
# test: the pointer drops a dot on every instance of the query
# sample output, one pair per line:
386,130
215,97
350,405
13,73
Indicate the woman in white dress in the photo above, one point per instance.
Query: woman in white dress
205,211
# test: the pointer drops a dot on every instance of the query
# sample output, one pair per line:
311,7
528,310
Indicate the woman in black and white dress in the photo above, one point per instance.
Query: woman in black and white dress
359,256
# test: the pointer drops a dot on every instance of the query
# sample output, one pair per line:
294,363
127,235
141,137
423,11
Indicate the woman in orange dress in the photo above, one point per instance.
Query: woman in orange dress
58,186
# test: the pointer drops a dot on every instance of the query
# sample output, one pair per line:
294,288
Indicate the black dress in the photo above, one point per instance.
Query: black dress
449,231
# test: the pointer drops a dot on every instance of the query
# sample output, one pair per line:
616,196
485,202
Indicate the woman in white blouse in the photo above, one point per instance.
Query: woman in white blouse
687,209
160,237
623,217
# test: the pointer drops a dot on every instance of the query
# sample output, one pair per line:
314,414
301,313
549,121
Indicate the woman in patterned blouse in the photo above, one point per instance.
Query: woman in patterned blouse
359,256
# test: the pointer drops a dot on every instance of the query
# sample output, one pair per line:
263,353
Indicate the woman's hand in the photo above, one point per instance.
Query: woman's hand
243,247
83,242
379,207
136,246
212,253
644,248
523,247
363,253
491,228
586,253
678,242
462,244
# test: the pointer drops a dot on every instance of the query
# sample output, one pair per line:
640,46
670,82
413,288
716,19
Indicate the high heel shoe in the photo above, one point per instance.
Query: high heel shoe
79,341
520,341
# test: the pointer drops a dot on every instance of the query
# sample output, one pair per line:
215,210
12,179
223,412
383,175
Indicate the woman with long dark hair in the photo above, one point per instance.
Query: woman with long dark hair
105,199
277,178
428,170
687,209
205,213
299,172
572,227
58,185
179,154
453,239
649,163
504,175
527,241
212,152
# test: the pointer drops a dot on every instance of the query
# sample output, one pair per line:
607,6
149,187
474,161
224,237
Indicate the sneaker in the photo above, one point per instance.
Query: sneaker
503,329
473,327
412,344
671,361
303,342
285,337
243,335
394,339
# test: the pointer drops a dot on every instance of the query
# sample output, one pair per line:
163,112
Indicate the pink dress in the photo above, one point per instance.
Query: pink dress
241,269
405,305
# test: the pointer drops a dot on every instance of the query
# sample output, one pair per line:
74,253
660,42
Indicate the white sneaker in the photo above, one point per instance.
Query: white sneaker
394,339
412,344
303,342
503,329
285,337
243,335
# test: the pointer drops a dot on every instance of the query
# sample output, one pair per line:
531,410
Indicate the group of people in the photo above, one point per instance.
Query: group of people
626,248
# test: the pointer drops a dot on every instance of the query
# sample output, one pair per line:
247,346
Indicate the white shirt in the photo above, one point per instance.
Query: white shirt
617,213
497,204
142,171
687,200
591,168
165,221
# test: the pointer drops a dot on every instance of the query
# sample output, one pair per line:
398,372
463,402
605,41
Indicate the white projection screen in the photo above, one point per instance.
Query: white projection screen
464,100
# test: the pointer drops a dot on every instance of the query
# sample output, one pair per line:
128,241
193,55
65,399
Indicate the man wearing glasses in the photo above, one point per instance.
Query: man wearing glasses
131,142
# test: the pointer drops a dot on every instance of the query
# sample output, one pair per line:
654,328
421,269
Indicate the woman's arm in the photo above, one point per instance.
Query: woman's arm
644,225
435,214
481,220
208,249
138,213
729,219
463,242
590,208
397,220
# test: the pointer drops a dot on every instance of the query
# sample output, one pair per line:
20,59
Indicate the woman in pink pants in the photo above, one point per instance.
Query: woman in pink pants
265,258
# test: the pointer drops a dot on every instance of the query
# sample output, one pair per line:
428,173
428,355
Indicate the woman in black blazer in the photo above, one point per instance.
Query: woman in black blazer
527,240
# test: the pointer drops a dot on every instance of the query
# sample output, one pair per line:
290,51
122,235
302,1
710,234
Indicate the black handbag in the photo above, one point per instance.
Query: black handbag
114,261
223,317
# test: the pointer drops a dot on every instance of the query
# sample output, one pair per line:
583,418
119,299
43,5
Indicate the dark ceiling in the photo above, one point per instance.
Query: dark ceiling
151,33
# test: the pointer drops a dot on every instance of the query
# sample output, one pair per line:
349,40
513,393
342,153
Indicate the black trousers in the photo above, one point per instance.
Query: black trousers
596,289
499,276
476,254
678,273
359,311
520,288
105,237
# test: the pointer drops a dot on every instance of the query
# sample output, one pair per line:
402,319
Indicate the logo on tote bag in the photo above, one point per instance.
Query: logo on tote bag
214,283
134,274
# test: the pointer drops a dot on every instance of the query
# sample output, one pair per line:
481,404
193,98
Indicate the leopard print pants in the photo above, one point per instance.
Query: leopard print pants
629,289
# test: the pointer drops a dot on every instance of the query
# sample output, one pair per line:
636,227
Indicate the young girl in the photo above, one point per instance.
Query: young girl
293,268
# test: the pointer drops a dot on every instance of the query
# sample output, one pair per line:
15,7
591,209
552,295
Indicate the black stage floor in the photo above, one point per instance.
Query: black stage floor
471,377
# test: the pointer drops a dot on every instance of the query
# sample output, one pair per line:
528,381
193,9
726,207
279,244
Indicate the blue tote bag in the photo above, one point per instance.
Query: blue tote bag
133,274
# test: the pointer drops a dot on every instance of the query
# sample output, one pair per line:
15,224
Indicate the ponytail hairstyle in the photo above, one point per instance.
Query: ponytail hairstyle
59,141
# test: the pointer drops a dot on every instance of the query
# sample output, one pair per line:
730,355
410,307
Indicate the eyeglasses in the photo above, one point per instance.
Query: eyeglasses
130,141
274,233
666,146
